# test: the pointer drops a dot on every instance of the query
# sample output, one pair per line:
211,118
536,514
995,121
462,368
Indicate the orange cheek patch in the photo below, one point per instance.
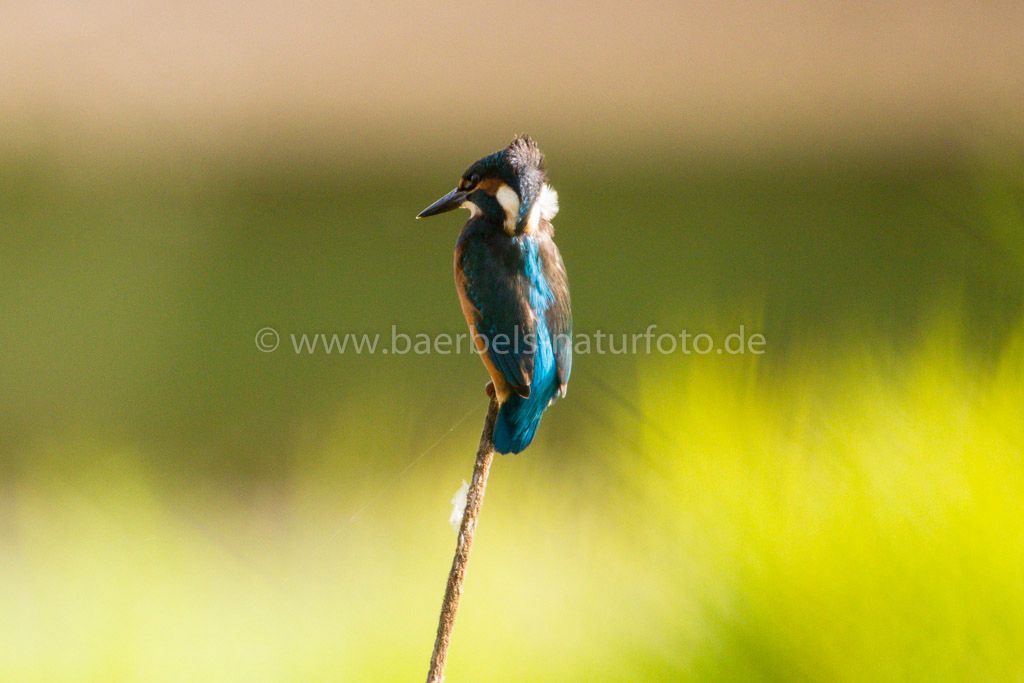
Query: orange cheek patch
490,185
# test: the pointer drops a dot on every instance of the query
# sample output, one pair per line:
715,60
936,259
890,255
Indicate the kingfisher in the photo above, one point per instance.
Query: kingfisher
512,285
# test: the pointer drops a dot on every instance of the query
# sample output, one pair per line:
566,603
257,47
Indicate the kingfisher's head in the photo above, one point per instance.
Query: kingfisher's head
506,188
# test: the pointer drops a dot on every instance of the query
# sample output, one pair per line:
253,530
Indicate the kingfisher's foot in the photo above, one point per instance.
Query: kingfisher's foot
489,389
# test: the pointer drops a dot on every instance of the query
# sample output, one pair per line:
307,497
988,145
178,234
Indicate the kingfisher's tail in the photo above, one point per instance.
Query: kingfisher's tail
517,422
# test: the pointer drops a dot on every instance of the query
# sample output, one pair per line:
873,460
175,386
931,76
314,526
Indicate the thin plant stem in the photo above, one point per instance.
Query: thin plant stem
457,575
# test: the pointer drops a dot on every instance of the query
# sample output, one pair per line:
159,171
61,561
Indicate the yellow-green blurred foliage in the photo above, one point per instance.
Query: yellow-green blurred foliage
850,518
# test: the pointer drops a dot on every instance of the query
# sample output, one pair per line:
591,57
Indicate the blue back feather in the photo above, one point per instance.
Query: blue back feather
519,417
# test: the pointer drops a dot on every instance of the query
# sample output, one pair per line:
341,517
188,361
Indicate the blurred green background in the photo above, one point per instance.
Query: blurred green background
176,505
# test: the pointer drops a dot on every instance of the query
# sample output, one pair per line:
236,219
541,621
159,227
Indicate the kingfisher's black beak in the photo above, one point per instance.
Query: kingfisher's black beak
452,200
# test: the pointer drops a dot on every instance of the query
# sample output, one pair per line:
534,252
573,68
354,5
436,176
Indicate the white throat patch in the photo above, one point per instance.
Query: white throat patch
473,209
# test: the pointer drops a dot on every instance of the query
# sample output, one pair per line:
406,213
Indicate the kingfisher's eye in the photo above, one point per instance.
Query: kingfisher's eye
473,180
